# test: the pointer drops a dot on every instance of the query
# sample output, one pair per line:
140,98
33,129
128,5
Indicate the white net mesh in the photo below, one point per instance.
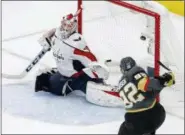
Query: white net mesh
113,32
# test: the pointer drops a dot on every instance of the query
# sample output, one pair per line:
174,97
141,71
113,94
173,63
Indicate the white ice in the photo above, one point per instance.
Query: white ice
24,111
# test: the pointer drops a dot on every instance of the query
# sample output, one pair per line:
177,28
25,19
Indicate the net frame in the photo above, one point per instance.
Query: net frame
157,22
144,11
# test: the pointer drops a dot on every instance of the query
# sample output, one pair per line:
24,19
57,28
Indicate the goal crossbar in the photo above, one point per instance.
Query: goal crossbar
153,14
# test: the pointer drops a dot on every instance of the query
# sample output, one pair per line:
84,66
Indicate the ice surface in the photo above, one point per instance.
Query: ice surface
24,111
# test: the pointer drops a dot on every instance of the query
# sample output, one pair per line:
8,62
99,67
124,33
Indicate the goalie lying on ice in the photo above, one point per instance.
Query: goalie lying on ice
77,67
90,81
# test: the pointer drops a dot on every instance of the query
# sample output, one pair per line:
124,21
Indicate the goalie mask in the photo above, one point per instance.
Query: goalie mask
68,26
126,64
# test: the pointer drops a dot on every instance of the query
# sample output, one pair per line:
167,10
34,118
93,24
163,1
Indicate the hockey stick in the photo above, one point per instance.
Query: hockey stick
162,65
78,11
30,66
109,61
22,56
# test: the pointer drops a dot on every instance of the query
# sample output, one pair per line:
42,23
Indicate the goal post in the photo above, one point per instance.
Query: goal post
165,42
156,17
130,6
112,29
79,4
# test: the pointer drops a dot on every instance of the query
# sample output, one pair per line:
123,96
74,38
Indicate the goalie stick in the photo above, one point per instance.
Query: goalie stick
30,66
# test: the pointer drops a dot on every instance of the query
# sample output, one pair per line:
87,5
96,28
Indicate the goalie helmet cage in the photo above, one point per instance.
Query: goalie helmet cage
135,8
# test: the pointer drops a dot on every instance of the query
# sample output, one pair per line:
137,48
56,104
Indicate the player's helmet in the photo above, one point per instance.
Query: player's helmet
126,64
68,25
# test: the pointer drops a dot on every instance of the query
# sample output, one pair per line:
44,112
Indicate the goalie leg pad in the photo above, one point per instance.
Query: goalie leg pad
54,83
102,95
60,85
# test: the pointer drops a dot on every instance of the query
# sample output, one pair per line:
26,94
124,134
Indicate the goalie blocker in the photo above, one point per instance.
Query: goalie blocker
90,81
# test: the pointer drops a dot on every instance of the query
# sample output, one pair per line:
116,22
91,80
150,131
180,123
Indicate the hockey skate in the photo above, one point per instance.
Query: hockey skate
42,82
42,79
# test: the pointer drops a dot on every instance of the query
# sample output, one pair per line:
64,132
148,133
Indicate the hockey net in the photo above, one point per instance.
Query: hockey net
113,28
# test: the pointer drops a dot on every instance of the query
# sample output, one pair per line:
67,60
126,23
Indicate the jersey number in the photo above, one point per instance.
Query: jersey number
130,95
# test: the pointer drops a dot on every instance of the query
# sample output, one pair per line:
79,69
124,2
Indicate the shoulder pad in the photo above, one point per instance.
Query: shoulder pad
135,70
77,41
76,37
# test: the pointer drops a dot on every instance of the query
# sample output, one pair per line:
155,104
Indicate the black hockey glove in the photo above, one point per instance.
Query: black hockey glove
167,79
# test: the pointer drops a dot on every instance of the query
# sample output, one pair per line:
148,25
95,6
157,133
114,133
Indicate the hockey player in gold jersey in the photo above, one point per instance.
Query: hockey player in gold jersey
144,115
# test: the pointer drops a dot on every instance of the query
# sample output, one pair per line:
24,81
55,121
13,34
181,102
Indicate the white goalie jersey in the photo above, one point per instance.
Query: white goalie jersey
71,54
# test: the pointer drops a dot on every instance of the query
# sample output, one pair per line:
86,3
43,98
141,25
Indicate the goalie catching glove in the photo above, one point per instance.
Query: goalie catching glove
97,70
